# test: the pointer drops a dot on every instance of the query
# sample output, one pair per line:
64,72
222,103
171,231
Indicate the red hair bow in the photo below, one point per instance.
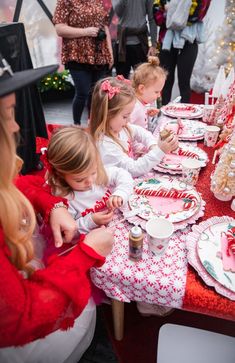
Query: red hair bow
120,77
110,90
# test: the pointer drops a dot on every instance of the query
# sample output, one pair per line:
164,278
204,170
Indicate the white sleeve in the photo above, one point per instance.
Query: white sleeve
121,182
113,155
84,224
142,135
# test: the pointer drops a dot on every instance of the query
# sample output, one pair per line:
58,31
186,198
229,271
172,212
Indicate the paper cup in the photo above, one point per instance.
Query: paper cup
207,112
190,171
211,135
159,231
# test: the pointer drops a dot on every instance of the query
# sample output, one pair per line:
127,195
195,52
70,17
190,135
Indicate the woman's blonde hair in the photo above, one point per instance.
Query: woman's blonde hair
104,109
17,217
72,150
148,72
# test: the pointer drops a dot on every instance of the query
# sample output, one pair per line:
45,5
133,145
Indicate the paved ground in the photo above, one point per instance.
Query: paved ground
60,112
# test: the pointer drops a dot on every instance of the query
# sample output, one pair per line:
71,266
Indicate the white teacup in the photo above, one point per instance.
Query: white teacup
159,230
211,135
190,170
207,112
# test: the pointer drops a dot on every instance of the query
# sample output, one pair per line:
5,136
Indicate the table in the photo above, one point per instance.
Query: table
167,280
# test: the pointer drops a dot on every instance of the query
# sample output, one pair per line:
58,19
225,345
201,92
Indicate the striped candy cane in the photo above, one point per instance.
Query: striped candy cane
190,200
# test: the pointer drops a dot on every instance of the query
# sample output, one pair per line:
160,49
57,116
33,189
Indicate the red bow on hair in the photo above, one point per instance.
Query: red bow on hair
120,77
45,161
112,91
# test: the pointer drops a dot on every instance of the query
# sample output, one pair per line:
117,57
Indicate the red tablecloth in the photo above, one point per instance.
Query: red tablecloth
198,296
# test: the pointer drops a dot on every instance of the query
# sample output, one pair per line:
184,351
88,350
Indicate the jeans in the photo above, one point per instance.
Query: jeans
84,81
184,60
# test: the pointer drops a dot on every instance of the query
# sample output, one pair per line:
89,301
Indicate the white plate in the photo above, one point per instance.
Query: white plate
208,246
184,110
191,129
172,208
174,161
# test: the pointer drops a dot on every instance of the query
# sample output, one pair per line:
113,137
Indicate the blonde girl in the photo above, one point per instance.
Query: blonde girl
77,173
113,101
148,81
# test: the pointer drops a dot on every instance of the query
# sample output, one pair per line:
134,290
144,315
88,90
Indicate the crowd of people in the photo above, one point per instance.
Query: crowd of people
46,306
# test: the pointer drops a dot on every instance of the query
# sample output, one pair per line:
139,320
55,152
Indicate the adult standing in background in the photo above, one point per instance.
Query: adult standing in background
181,29
86,47
132,45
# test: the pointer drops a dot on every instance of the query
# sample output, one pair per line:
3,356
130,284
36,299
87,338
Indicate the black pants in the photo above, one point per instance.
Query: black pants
184,60
84,79
134,56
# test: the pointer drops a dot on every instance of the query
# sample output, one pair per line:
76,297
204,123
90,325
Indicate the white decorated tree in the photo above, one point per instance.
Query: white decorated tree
226,39
218,49
205,70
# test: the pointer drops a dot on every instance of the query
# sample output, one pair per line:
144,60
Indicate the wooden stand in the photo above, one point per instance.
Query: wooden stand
118,319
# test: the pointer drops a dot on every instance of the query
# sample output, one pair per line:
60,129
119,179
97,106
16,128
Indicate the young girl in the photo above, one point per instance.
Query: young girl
112,104
76,172
148,81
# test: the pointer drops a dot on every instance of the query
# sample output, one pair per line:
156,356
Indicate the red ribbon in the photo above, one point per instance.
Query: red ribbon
110,90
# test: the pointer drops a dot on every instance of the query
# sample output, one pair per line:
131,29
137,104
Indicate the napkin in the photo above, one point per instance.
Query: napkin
219,82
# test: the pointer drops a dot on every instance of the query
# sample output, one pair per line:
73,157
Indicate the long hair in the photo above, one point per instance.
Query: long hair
148,72
104,109
17,217
72,150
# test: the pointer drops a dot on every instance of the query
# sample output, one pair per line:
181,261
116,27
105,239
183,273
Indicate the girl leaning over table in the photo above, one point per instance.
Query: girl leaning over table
113,101
76,172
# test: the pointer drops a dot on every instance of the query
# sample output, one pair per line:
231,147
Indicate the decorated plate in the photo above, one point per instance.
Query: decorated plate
162,197
188,130
173,161
184,110
204,254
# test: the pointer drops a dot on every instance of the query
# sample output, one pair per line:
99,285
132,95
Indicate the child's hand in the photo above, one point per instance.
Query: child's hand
169,144
114,202
103,217
153,111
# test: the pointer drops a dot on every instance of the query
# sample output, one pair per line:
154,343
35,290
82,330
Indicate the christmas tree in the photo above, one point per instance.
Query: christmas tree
216,51
226,39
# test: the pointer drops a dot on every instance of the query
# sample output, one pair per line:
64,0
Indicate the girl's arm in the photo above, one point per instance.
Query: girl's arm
32,308
113,155
84,224
121,181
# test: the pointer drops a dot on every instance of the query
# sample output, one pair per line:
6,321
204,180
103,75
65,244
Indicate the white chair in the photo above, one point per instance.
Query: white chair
183,344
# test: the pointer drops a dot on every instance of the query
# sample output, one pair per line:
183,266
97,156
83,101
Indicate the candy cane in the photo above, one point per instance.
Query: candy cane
187,153
170,193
